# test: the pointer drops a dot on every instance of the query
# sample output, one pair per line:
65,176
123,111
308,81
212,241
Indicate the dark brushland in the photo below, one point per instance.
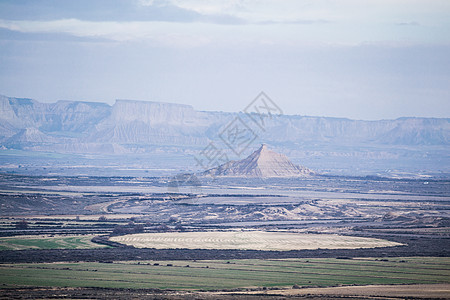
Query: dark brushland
412,212
409,211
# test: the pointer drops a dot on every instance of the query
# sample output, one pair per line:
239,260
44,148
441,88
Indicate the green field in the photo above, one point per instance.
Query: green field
218,274
48,242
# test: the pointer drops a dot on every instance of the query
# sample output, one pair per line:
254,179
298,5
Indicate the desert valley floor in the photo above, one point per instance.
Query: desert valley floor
89,233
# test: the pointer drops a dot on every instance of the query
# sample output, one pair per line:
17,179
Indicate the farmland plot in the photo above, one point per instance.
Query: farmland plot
220,274
249,240
48,242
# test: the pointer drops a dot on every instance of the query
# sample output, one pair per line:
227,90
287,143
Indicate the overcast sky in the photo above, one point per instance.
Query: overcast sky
371,59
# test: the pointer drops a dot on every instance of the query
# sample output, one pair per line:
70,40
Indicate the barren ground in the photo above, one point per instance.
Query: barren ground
249,240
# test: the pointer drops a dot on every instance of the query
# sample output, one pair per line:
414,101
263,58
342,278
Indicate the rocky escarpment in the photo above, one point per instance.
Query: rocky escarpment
91,127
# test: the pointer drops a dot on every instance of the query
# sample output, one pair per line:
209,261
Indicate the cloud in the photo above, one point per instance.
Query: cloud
191,34
238,11
108,10
245,22
407,24
166,10
147,2
160,32
295,22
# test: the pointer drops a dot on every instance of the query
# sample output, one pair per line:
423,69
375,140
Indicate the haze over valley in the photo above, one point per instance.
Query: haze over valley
227,149
139,138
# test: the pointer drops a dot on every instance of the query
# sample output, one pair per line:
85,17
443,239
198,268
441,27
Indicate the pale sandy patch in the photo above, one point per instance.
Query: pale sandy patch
251,240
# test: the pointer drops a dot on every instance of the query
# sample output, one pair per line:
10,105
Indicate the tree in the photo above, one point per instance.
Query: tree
138,228
179,227
162,228
23,224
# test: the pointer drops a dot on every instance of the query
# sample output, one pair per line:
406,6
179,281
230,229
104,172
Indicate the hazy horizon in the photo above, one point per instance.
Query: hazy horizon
371,61
220,111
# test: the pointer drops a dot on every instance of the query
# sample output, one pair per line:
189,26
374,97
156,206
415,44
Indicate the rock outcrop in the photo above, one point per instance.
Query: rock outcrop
263,163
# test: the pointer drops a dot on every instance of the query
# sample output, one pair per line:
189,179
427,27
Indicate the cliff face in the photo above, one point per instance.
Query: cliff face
63,116
152,113
141,122
403,131
69,126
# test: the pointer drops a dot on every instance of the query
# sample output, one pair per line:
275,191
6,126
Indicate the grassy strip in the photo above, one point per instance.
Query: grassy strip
218,274
48,242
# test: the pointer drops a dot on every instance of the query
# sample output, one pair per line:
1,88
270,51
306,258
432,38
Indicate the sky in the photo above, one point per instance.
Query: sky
371,59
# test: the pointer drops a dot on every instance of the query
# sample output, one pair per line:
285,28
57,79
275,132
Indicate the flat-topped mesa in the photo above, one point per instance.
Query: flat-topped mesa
152,113
262,163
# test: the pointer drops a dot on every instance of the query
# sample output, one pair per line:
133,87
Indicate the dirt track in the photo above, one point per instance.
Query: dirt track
411,291
414,291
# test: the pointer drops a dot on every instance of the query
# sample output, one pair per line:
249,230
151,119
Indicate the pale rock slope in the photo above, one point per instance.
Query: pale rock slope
262,163
30,135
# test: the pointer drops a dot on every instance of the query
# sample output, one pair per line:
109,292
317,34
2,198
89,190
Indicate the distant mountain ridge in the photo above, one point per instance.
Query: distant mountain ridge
263,163
139,126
